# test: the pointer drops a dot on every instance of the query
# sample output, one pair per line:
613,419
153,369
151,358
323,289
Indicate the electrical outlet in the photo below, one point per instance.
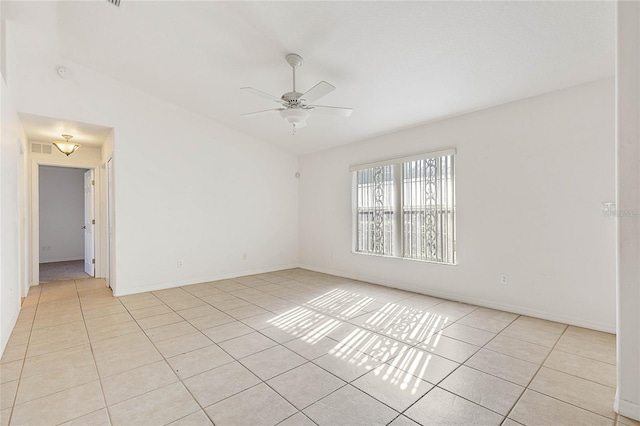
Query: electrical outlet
180,263
244,256
504,279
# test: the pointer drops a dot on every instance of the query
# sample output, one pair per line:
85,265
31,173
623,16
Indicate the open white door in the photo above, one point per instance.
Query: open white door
89,223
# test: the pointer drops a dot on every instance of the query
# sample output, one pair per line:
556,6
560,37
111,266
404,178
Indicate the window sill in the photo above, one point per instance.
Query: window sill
404,258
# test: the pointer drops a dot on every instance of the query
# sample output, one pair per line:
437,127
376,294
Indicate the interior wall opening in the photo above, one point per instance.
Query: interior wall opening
66,206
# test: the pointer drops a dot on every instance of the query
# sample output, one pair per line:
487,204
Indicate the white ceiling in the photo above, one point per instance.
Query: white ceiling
398,64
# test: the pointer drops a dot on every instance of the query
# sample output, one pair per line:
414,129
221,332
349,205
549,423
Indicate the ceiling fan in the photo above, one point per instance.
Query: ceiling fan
296,107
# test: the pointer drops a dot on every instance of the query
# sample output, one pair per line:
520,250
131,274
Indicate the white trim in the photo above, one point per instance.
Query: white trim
626,408
109,224
34,225
433,154
398,189
61,259
173,284
607,328
393,256
23,218
354,212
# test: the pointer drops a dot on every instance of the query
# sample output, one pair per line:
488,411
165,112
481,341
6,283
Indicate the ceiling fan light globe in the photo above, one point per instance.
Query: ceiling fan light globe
295,116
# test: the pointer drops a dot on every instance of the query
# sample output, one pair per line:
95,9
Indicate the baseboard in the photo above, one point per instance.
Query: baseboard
59,260
626,408
172,284
6,332
522,310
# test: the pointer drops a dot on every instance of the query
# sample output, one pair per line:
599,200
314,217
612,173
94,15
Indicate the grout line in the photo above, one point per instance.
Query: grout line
214,343
585,357
179,379
573,375
234,358
307,361
551,396
535,374
311,287
455,369
573,405
91,412
95,362
24,357
294,414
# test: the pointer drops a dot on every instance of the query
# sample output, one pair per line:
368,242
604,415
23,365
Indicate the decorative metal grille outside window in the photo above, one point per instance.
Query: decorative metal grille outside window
375,210
406,207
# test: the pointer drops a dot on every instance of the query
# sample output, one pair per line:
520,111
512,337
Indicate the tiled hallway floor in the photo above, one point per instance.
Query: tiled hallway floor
296,348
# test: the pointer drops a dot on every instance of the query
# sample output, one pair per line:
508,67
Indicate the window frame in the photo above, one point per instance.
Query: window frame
397,251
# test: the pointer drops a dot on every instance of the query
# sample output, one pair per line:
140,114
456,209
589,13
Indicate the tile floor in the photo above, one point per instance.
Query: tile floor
296,348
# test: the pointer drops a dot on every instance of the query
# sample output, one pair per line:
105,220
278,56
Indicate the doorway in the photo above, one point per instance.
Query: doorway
66,237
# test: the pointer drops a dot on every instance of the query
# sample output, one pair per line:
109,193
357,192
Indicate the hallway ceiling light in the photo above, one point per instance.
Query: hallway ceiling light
66,147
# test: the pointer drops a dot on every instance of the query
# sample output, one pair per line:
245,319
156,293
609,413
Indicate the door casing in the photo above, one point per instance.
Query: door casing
89,222
35,214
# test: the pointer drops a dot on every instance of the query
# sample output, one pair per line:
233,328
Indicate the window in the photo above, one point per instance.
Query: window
406,207
375,210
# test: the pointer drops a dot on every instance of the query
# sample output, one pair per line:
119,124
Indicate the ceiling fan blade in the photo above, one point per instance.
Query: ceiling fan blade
339,111
262,94
318,91
261,112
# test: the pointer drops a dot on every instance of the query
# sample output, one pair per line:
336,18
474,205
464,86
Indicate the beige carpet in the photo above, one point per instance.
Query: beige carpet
61,271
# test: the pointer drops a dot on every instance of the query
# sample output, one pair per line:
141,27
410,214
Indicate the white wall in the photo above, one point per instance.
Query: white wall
11,140
530,177
185,187
627,400
61,214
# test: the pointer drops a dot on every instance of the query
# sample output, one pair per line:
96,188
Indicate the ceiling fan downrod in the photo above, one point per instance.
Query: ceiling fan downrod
295,61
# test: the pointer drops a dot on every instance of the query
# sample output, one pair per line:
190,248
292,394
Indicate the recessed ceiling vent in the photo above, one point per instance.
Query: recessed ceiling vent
41,148
114,2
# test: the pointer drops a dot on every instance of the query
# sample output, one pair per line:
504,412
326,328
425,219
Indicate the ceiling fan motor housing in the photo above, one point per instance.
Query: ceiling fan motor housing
294,99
